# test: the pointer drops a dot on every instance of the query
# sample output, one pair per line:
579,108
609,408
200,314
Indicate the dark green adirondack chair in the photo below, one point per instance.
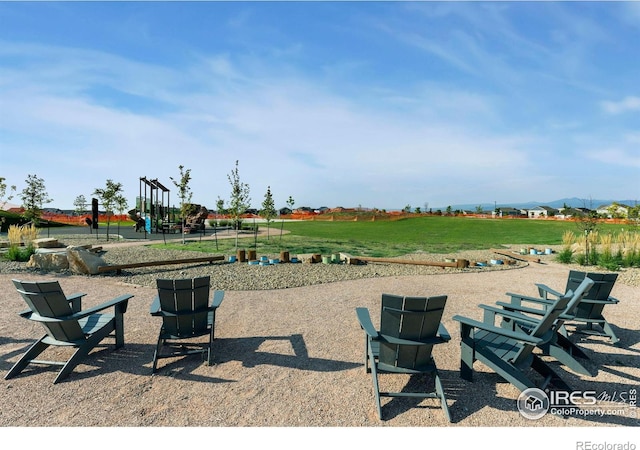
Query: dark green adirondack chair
588,318
409,328
186,314
558,347
66,324
510,353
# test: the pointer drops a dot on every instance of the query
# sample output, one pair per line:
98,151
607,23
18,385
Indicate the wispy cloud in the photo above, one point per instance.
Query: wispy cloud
627,104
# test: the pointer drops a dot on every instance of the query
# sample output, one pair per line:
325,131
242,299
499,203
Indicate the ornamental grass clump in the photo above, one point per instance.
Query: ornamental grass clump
630,249
565,255
17,235
606,256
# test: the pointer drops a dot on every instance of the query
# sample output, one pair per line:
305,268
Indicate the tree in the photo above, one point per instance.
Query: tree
587,223
109,198
184,194
220,206
240,200
3,192
81,204
268,211
290,203
33,197
121,206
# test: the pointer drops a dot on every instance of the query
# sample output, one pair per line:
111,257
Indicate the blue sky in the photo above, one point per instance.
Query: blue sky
373,104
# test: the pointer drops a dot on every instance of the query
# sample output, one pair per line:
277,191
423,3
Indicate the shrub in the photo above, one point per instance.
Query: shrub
21,254
565,256
581,259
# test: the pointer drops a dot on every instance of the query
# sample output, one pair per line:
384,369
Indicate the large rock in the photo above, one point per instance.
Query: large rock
82,261
196,219
46,243
53,262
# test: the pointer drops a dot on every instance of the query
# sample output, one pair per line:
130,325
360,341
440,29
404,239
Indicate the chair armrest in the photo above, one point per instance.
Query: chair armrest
121,300
522,309
609,301
492,311
76,301
365,322
155,306
519,336
427,341
546,290
519,298
443,333
118,301
218,296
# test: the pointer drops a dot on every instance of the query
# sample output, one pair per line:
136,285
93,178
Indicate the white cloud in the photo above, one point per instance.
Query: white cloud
628,104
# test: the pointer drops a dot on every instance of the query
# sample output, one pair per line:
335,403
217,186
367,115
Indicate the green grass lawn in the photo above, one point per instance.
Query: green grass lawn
433,234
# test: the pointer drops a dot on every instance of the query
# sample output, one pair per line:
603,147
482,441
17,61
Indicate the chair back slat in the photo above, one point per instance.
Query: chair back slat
188,300
410,318
603,283
47,299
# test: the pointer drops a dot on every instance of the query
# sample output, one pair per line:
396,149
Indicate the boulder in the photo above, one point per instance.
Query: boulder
82,261
54,262
46,243
196,219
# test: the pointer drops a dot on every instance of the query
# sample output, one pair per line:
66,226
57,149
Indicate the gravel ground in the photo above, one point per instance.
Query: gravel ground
289,350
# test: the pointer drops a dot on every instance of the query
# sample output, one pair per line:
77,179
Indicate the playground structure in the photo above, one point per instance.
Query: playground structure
153,209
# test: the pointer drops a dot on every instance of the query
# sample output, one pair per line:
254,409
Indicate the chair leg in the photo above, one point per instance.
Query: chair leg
75,359
442,397
119,326
550,376
466,361
609,332
366,354
33,351
376,387
210,349
156,355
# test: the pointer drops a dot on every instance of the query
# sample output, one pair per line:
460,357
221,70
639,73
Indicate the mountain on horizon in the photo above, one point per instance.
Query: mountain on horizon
573,202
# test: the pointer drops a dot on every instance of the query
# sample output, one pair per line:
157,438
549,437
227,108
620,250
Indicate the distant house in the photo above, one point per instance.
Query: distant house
541,212
285,211
507,211
614,210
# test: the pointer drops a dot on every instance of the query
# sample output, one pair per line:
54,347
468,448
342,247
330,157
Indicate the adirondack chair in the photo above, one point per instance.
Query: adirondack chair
510,353
588,318
409,328
559,346
186,314
66,324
